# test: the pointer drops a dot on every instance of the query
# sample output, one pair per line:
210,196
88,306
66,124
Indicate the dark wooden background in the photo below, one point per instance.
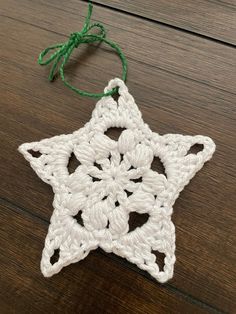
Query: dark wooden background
182,72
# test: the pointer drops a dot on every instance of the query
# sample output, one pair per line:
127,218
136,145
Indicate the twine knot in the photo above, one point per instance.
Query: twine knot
75,38
63,51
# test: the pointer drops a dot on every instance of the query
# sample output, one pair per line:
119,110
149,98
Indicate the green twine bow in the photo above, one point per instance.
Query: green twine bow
64,50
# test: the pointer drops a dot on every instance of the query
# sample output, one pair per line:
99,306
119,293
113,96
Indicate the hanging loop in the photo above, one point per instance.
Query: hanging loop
60,53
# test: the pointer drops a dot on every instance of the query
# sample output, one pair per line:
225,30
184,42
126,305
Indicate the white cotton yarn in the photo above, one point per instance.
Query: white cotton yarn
105,188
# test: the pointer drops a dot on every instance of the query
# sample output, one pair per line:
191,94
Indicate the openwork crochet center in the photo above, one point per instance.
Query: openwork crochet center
114,179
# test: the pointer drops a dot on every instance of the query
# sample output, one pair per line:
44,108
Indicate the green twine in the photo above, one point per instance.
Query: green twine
64,50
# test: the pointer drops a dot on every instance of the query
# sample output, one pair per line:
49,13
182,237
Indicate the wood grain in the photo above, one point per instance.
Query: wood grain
214,19
95,285
188,57
185,84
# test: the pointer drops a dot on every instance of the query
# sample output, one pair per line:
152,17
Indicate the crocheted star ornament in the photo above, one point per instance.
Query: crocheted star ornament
114,179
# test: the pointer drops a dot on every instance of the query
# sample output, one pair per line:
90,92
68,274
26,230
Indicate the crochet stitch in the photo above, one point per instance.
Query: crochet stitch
115,178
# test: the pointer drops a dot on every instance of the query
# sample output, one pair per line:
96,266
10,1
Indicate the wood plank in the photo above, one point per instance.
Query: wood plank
188,56
214,19
95,285
32,109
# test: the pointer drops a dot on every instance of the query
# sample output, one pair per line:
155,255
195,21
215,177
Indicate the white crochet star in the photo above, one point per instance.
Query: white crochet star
114,179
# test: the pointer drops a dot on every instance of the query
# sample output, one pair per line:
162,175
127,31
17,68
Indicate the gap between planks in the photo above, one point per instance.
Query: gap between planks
178,28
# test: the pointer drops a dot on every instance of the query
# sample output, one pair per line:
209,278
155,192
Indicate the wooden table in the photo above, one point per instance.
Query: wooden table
182,58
